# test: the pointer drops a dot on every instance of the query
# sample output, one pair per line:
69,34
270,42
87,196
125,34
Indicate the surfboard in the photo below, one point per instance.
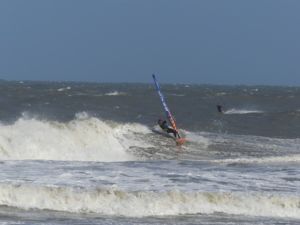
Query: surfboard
180,140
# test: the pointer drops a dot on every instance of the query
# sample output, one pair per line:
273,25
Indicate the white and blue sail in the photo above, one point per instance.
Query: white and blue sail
163,101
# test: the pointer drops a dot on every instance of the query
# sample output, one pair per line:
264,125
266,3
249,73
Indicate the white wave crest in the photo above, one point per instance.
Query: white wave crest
272,159
115,93
242,111
82,139
147,203
64,89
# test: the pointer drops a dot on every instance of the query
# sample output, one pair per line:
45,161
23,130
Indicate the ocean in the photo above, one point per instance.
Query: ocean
92,153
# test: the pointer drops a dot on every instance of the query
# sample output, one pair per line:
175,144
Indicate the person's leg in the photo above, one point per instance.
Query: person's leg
170,130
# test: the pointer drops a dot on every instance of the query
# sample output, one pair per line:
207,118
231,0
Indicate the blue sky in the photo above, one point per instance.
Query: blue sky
187,41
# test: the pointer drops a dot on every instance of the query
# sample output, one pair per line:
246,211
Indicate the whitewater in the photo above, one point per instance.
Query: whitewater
76,153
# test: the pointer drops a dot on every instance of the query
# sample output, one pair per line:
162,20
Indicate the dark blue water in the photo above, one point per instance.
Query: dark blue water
81,153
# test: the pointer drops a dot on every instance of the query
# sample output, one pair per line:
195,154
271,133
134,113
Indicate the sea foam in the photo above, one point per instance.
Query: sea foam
147,203
82,139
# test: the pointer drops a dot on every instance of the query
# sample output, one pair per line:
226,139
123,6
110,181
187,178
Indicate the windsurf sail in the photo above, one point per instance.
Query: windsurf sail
163,101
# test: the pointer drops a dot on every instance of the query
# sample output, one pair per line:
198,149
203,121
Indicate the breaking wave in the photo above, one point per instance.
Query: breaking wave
82,139
273,159
88,138
147,203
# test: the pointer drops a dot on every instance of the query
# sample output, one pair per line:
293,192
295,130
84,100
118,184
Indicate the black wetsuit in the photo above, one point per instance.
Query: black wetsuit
163,125
220,109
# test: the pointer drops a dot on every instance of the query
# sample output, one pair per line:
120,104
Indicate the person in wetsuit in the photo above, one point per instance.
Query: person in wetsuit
220,108
164,126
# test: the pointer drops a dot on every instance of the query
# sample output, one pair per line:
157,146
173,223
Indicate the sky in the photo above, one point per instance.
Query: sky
182,41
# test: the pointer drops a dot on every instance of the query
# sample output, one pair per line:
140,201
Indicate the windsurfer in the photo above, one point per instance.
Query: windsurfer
164,126
220,108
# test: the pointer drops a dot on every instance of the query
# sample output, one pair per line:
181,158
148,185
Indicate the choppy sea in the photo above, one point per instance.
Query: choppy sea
85,153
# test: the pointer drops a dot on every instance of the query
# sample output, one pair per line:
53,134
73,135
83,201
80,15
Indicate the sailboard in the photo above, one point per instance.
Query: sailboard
180,140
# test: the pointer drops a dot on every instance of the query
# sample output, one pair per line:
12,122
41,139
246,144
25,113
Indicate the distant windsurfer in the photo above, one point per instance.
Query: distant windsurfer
220,108
164,126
